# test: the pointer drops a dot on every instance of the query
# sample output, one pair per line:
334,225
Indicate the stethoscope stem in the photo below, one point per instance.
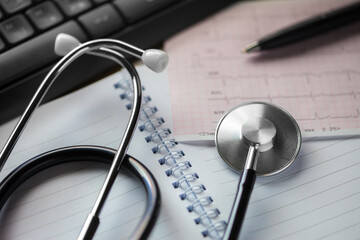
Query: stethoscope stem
245,187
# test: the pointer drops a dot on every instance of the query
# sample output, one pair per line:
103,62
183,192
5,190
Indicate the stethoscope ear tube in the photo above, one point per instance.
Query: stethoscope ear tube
109,49
85,154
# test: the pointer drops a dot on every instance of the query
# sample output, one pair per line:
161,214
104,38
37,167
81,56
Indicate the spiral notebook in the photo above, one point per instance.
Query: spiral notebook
54,204
172,161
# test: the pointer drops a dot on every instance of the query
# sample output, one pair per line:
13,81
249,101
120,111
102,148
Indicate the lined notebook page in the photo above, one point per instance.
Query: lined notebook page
318,197
54,205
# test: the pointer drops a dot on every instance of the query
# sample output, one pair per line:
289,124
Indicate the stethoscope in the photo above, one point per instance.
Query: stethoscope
255,139
71,49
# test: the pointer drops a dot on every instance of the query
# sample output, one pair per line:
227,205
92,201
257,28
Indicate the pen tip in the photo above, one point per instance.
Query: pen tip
252,47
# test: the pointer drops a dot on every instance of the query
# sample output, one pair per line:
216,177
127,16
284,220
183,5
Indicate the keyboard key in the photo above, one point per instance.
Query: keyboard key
102,21
45,15
12,6
2,45
99,1
134,10
35,53
73,7
16,29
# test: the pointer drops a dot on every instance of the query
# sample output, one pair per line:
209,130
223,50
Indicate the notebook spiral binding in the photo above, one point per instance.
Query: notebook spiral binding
178,168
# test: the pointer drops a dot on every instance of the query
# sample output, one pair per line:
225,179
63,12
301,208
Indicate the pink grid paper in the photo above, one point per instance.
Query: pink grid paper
317,81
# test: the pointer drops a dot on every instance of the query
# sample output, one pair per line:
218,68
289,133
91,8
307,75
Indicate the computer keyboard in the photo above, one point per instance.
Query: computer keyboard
28,29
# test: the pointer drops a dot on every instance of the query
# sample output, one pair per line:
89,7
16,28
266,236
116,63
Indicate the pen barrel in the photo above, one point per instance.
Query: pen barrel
245,187
312,27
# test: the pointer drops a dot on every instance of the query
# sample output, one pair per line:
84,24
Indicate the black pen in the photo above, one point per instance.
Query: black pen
307,28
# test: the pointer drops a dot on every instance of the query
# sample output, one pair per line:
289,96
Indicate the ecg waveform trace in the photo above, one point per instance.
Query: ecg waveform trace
319,92
317,81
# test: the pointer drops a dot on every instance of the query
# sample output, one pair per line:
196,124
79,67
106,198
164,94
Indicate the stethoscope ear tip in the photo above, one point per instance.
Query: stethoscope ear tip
64,43
155,59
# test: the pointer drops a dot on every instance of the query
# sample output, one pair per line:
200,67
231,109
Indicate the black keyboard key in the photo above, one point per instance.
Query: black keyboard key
73,7
2,45
45,15
134,10
16,29
35,53
12,6
102,21
99,1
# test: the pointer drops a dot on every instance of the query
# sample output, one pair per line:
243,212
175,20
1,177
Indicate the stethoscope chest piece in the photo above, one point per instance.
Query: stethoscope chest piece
271,129
255,139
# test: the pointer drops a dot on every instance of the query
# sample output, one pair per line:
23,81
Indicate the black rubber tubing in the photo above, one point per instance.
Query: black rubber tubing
70,155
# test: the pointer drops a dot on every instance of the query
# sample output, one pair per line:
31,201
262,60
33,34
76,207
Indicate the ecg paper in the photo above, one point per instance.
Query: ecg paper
317,80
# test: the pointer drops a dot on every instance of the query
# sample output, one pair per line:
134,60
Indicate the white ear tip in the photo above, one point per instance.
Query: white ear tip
64,43
155,59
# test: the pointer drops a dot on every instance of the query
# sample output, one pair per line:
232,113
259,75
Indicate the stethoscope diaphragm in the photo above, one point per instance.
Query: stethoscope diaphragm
272,128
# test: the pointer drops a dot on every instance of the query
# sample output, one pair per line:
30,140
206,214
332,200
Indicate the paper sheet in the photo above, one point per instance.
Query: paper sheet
317,80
